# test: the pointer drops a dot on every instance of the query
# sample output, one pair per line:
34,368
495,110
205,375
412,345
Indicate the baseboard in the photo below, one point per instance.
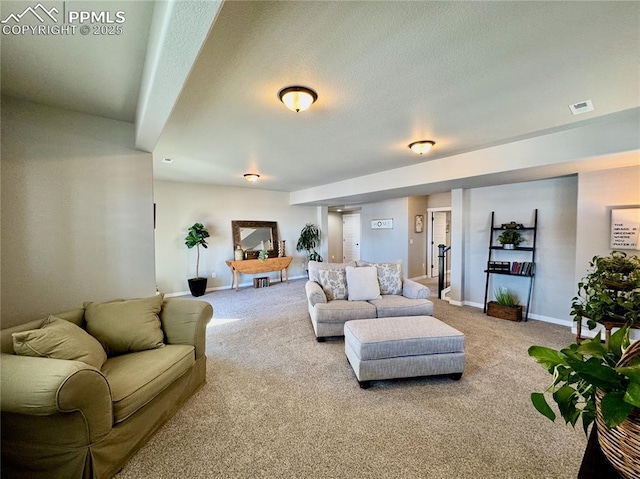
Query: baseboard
538,317
416,278
218,288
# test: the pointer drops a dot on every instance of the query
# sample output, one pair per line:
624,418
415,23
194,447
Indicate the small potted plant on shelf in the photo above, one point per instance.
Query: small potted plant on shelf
510,238
506,305
196,237
263,254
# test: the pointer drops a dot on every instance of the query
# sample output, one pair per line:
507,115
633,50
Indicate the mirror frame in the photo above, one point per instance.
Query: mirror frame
252,254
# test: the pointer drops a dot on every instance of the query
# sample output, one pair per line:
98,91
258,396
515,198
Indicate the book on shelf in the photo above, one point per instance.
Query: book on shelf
524,268
499,266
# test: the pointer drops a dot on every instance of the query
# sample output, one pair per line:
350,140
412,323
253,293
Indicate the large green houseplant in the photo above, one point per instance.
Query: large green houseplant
309,240
196,237
610,291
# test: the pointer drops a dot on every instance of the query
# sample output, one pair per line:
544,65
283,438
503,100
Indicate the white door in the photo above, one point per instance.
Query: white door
438,236
351,237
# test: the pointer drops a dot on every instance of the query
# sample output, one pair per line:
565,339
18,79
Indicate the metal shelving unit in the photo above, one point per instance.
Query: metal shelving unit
531,250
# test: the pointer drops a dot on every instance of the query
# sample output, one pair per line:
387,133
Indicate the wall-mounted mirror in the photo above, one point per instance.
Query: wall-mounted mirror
253,236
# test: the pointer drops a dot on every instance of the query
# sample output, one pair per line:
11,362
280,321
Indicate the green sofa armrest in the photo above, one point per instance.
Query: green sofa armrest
184,321
42,386
413,290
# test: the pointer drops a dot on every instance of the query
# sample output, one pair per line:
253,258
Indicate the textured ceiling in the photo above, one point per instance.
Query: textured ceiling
465,74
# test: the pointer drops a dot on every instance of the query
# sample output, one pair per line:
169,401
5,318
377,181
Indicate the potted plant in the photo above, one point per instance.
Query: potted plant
506,305
598,382
196,236
610,291
263,254
510,238
309,240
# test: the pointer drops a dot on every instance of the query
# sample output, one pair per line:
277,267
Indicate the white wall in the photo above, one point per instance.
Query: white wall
380,245
180,205
554,284
334,234
77,212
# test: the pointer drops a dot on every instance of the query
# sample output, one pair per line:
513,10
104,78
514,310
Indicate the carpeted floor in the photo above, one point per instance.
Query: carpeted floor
278,404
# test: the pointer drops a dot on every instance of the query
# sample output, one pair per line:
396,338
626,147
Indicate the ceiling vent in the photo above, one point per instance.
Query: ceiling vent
167,160
581,107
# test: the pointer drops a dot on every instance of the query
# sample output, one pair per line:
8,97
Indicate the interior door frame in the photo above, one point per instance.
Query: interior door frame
430,255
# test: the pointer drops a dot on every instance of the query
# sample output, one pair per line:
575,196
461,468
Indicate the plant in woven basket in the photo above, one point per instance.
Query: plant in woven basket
580,370
610,292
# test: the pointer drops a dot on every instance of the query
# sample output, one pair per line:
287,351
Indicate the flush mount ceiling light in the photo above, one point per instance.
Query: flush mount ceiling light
297,98
167,160
251,177
422,146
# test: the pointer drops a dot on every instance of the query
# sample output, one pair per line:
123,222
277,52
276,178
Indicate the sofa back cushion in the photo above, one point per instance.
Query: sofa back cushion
124,326
362,283
60,339
315,266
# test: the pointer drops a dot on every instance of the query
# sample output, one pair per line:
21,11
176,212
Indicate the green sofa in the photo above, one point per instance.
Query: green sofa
66,419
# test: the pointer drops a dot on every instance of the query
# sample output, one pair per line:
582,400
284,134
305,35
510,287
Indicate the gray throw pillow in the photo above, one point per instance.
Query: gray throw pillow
334,283
390,277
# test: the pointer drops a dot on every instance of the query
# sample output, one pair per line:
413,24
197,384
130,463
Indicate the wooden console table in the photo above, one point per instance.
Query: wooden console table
253,266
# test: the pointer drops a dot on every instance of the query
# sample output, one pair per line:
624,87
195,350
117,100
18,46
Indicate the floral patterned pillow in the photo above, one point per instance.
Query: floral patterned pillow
390,278
334,283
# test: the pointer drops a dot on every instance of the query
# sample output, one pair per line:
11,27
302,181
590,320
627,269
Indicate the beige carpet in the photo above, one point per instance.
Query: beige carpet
278,404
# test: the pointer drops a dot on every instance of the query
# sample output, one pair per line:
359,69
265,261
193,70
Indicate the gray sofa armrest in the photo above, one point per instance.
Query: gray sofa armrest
37,386
413,290
315,293
184,321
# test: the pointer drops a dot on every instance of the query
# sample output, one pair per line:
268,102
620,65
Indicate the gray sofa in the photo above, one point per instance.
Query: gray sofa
330,306
70,419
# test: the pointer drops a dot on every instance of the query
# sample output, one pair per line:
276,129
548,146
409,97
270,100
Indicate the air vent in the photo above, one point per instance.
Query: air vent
581,107
167,160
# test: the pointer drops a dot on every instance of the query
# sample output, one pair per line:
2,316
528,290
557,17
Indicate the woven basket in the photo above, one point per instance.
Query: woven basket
621,444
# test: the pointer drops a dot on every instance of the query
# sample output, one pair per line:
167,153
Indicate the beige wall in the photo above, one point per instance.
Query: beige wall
417,241
335,238
180,205
77,212
440,200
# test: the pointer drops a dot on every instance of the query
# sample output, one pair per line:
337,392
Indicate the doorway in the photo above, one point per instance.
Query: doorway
351,237
439,233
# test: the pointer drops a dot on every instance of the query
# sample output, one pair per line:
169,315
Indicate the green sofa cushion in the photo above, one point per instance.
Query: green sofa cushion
60,339
124,326
136,378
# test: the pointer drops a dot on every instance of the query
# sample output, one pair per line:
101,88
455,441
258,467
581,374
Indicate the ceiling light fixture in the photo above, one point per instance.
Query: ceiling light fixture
167,160
251,177
422,146
297,98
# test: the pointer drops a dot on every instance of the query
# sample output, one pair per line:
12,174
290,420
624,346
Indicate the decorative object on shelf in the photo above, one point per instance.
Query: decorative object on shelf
263,254
419,223
309,240
421,147
254,236
196,237
506,305
251,177
512,226
510,239
297,98
281,249
610,291
594,381
238,254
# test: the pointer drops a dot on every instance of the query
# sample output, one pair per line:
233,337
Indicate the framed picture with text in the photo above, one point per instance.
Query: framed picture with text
419,223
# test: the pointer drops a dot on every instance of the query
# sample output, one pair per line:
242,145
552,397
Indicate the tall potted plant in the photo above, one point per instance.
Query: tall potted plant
309,240
196,237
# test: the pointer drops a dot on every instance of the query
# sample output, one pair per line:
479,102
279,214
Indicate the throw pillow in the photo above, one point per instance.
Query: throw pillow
124,326
334,283
390,277
362,283
60,339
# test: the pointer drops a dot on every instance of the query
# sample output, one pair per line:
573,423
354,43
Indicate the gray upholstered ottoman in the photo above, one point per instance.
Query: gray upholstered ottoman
403,347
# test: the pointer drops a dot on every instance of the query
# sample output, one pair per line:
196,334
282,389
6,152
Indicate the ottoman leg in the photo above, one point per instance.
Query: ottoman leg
364,384
456,376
